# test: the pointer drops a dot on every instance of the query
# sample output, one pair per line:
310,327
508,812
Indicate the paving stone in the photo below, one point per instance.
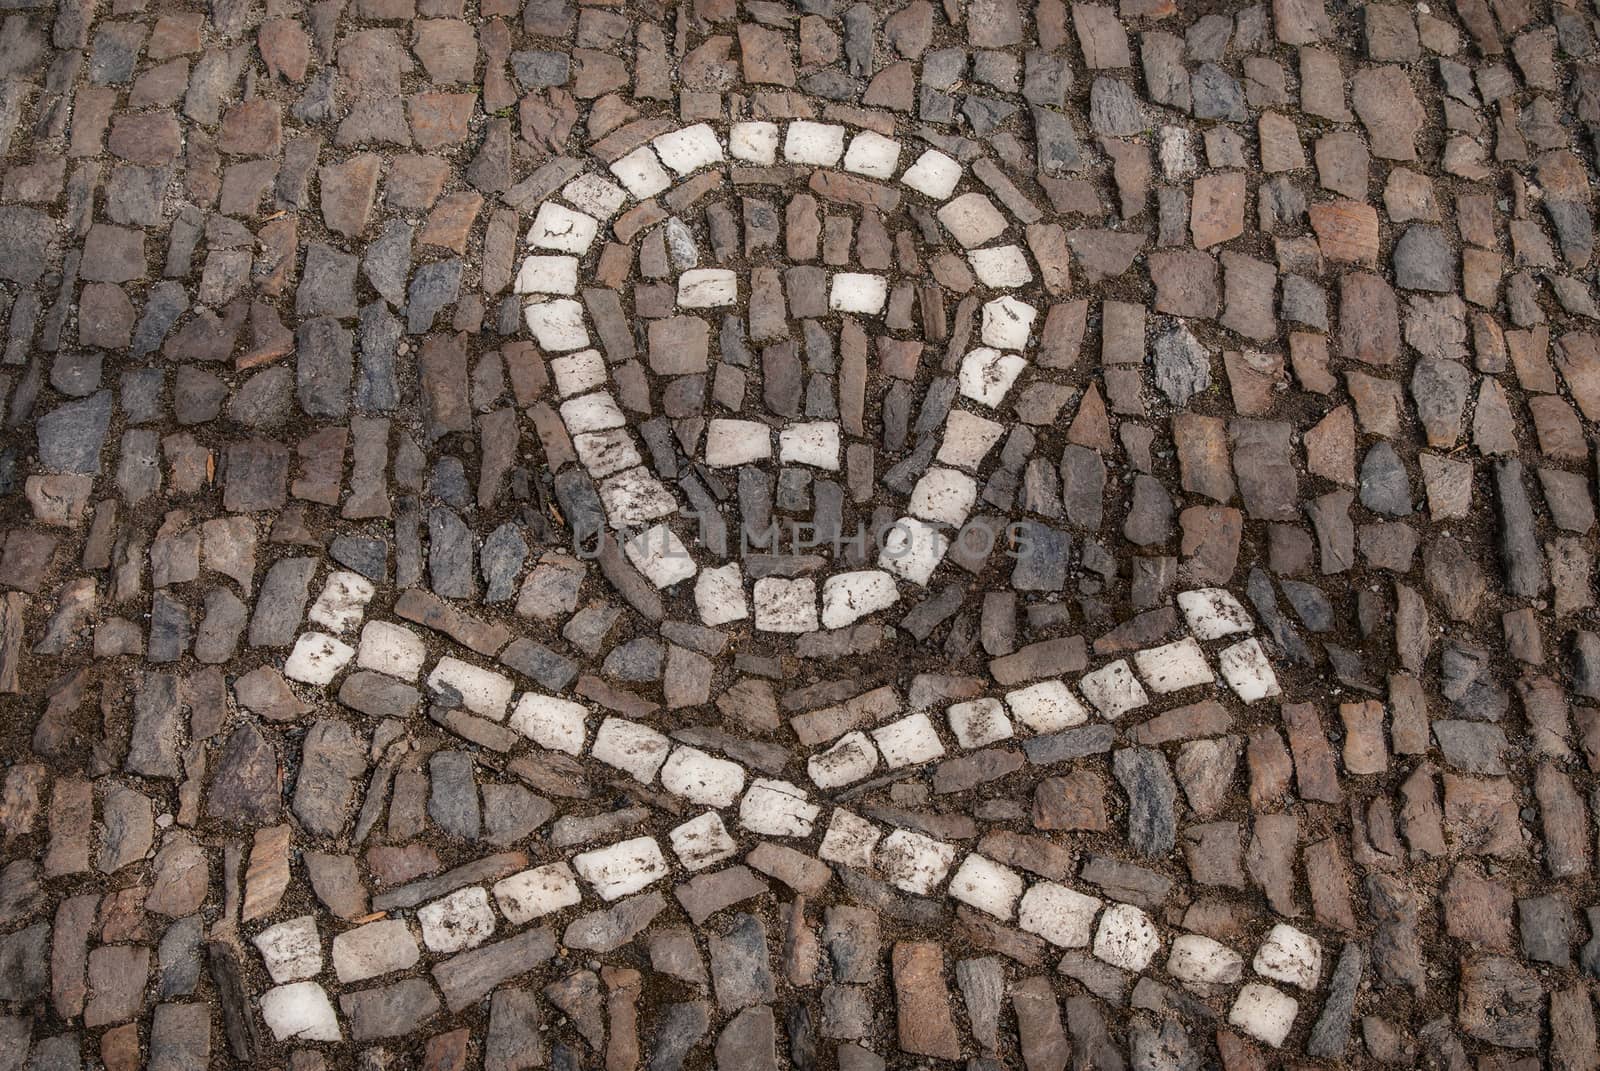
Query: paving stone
915,766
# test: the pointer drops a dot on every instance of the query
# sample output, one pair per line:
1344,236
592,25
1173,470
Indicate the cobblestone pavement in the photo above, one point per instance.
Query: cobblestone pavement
798,534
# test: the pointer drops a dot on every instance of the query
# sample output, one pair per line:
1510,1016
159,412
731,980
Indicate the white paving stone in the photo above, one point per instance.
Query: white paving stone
873,155
660,555
1201,962
552,723
914,863
1176,148
343,601
1001,267
559,228
986,885
707,288
730,443
913,549
818,144
606,452
1174,666
482,691
702,779
1062,916
688,150
594,195
1007,323
623,868
392,649
1246,669
934,175
910,740
786,605
1046,707
630,747
635,497
777,809
972,219
459,921
1126,938
944,496
815,443
1113,690
291,950
755,143
578,372
374,949
317,658
702,842
850,841
968,438
641,172
986,374
851,758
719,595
1264,1013
299,1011
858,292
593,412
547,275
530,894
1213,613
1291,956
557,324
979,722
848,597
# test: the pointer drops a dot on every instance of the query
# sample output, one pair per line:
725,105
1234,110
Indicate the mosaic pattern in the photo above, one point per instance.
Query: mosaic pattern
798,535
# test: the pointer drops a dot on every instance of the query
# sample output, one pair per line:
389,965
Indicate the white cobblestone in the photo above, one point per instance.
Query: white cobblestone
552,723
343,601
459,921
908,741
689,149
1113,690
987,886
630,747
819,144
641,172
392,649
530,894
482,691
777,809
914,863
1062,916
557,324
873,155
754,142
702,842
851,758
1046,707
559,228
1126,938
317,658
979,722
701,778
1264,1013
788,606
291,950
622,869
848,597
660,555
850,841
